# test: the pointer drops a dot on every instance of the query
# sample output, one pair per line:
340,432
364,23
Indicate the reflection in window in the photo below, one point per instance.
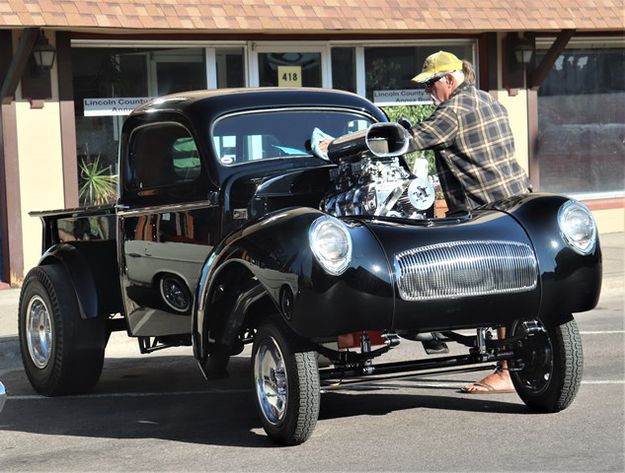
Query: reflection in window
581,122
162,155
344,69
278,134
129,73
230,69
391,68
310,64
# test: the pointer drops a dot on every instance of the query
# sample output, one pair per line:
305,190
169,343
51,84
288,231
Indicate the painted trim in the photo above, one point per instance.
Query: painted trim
210,64
6,54
361,80
12,198
18,64
67,119
605,204
233,37
532,138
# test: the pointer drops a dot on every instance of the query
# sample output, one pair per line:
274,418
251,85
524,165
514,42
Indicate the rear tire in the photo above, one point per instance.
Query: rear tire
553,367
286,381
62,353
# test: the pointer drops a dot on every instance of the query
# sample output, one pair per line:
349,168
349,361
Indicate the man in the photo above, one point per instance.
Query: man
471,137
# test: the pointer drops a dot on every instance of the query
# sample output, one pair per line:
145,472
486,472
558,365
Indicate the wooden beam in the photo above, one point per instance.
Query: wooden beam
18,64
538,75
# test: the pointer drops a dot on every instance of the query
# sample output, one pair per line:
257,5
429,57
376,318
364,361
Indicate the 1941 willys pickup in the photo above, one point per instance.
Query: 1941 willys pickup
229,230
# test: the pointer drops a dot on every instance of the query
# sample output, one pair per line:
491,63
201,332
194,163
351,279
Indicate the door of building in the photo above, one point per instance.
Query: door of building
282,65
175,70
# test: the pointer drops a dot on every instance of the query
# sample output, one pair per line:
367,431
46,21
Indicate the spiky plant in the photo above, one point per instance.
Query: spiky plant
97,186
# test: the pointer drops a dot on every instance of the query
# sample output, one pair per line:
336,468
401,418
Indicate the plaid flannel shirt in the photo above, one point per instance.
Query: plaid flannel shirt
474,147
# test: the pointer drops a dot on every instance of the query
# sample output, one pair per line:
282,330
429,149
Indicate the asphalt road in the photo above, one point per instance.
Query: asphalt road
156,413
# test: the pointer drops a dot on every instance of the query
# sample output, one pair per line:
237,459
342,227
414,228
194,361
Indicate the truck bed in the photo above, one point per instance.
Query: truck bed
78,224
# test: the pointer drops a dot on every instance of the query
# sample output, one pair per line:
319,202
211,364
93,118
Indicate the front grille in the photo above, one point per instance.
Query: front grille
465,269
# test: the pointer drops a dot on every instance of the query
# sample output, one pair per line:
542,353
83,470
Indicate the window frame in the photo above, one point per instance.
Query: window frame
211,136
127,158
603,199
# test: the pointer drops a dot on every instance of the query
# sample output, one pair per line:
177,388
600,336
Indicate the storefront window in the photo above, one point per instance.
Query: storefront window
230,68
289,69
344,69
389,70
581,121
108,83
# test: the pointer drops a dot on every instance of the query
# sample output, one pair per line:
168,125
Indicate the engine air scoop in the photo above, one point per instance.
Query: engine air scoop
381,140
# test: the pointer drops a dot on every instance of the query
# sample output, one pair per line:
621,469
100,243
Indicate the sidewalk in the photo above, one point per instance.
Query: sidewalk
612,246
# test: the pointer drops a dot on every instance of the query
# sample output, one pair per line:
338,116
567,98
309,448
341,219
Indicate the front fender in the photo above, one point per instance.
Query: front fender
570,282
313,303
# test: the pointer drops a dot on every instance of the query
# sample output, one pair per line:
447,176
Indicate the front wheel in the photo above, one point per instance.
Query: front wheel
286,380
550,366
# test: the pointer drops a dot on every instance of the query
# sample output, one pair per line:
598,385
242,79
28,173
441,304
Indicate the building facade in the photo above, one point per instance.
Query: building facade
559,71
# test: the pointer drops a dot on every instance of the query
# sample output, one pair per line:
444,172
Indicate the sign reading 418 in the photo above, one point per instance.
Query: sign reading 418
289,76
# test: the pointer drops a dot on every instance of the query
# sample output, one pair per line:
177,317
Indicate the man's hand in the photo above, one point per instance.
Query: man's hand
323,146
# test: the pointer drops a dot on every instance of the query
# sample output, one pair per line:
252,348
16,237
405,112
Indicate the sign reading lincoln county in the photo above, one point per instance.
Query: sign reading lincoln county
106,107
289,76
401,97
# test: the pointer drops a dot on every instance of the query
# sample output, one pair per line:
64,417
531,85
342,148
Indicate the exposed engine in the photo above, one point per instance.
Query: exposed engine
371,180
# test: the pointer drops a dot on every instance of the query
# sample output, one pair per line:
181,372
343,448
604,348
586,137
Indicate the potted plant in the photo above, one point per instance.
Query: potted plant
97,185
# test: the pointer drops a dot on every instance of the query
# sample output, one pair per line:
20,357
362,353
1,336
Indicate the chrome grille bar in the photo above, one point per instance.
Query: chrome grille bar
464,269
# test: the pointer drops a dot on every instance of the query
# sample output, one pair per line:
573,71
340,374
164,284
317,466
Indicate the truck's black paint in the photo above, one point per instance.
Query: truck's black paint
251,222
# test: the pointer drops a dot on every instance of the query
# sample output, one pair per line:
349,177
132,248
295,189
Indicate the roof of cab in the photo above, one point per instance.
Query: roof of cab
219,101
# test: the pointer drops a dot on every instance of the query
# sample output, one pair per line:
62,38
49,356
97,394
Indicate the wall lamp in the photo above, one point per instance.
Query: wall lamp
523,49
43,54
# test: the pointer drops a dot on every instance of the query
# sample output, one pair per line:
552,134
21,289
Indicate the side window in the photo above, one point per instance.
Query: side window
162,155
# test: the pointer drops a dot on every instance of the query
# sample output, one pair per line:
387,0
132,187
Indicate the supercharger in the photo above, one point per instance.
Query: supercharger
371,178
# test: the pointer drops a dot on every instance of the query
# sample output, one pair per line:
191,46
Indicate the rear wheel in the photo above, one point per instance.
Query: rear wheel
551,366
62,353
286,380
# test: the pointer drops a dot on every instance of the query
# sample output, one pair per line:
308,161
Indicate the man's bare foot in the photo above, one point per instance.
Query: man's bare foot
497,382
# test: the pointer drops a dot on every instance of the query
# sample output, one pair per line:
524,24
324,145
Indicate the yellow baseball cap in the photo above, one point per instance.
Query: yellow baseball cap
441,61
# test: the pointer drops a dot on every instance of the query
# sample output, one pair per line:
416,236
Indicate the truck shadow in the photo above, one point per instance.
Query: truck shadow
172,401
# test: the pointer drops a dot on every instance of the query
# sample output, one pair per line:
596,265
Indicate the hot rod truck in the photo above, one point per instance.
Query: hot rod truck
228,230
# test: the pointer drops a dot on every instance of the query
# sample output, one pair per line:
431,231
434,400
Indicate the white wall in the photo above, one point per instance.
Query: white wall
40,165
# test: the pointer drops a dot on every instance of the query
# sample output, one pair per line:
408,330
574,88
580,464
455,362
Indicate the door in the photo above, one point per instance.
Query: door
164,246
175,70
282,65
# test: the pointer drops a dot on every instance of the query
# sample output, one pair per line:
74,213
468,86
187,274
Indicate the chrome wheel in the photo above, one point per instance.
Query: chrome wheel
38,332
271,381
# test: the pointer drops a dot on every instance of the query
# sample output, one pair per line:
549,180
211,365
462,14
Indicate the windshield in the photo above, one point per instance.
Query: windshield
249,137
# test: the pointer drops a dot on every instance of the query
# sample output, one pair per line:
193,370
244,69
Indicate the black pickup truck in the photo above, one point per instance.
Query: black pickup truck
229,230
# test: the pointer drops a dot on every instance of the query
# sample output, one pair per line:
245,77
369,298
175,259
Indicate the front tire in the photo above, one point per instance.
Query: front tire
552,367
286,381
61,353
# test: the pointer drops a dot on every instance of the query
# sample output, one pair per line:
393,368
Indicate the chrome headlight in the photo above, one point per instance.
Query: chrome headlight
331,244
578,226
